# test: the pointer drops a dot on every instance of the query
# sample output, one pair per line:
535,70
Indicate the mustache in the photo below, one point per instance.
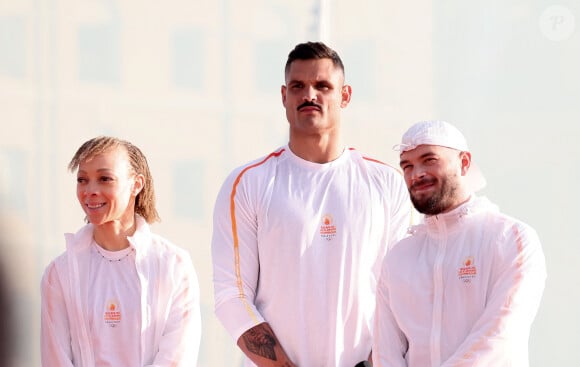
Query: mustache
424,181
308,104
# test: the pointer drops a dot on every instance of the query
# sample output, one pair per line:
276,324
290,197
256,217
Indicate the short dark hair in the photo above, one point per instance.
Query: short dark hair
313,50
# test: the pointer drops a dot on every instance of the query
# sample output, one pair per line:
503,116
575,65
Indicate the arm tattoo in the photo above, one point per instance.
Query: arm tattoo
260,342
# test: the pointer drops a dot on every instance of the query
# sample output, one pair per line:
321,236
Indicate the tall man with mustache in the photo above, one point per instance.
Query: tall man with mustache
299,234
465,287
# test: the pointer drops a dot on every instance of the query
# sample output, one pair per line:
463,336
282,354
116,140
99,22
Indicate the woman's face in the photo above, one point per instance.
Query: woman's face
107,187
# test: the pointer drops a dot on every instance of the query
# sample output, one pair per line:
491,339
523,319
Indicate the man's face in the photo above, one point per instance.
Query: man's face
432,174
313,96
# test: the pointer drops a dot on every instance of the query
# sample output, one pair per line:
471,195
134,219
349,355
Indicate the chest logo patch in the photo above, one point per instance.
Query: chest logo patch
112,316
468,270
327,228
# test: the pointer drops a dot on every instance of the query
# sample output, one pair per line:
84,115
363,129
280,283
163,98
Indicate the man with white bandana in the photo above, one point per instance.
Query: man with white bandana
464,288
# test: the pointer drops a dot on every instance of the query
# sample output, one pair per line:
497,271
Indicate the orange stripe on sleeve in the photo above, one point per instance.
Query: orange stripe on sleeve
398,169
235,232
517,279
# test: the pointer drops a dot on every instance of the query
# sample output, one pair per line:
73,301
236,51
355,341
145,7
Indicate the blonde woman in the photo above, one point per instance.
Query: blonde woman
119,295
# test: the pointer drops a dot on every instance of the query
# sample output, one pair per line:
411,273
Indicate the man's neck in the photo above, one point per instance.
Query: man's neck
322,149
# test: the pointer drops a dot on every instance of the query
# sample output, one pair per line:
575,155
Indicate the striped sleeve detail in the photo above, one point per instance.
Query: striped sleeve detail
517,279
383,163
235,231
398,170
379,162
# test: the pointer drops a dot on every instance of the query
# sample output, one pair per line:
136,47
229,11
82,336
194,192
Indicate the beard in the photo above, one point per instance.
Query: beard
440,201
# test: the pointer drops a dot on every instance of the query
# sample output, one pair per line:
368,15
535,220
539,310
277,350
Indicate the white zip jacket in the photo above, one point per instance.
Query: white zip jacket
463,290
299,245
170,314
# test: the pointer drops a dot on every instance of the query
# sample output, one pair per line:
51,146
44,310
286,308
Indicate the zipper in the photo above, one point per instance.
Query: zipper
441,240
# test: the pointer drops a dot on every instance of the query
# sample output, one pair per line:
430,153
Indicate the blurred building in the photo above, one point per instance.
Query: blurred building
196,85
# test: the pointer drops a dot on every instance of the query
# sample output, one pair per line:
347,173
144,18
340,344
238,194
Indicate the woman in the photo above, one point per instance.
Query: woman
119,295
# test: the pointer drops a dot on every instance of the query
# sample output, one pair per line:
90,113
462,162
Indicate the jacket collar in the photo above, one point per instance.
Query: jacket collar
454,218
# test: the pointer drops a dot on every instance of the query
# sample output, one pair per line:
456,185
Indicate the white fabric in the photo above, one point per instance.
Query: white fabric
463,290
170,326
114,314
433,132
299,245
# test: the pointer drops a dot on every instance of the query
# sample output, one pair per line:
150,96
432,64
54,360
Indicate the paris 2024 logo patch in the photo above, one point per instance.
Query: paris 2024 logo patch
468,271
112,316
327,228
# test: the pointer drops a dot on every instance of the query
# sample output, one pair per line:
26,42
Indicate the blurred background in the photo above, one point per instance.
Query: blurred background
196,85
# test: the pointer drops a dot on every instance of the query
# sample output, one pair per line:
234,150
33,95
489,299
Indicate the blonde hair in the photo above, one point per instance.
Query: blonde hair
145,200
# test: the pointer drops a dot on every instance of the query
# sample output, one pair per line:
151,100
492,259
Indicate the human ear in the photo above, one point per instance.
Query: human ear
465,158
346,93
283,93
138,184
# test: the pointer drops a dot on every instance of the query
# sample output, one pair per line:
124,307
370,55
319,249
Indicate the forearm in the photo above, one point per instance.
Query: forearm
511,308
261,346
390,344
181,334
55,337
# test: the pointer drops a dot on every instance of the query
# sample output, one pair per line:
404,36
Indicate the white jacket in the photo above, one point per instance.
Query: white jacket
463,290
170,322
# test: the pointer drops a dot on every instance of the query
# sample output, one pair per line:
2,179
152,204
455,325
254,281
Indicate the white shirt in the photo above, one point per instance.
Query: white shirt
299,245
463,290
115,307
